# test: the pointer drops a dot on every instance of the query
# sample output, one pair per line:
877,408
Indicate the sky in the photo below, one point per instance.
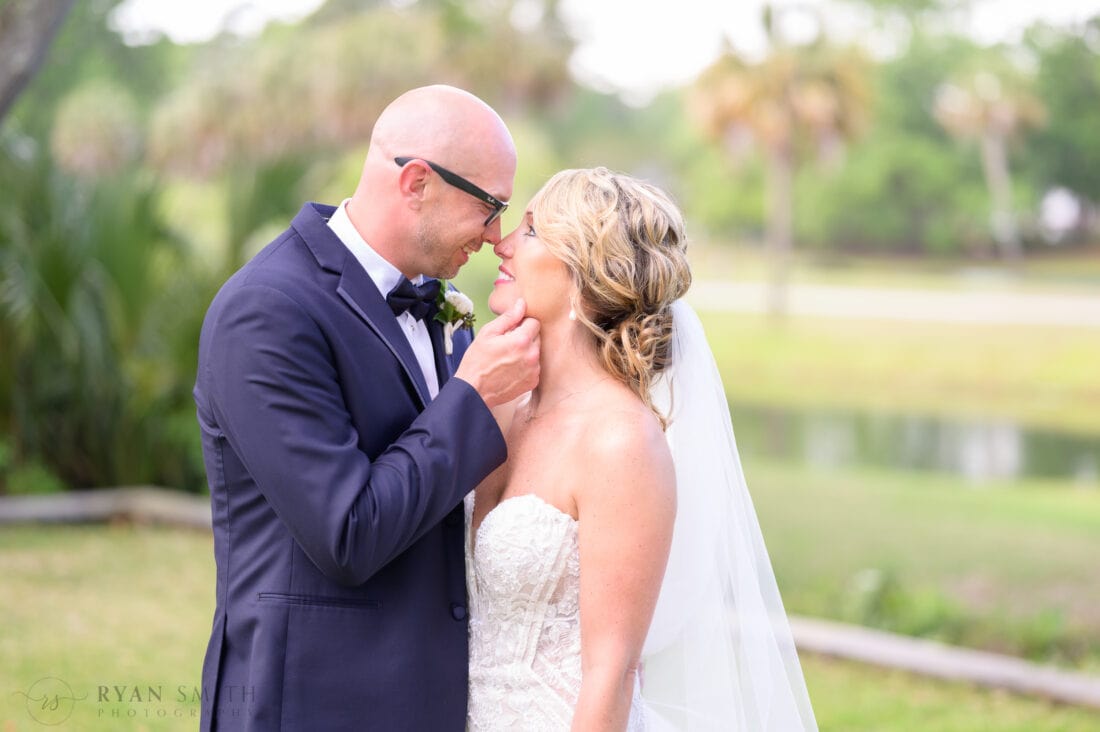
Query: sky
635,47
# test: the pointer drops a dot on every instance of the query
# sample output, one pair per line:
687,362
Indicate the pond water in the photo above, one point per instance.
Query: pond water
977,450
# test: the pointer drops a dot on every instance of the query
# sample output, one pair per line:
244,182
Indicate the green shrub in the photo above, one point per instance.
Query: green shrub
877,598
32,479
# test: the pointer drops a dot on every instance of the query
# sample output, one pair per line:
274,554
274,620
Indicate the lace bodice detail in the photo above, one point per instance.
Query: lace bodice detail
523,582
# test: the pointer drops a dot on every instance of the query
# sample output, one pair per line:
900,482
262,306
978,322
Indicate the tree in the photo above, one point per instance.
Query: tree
798,102
99,316
99,306
320,86
302,94
1067,151
992,106
905,188
27,27
515,68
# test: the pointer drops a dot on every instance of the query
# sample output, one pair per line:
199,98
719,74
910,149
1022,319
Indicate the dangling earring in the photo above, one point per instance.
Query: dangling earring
572,314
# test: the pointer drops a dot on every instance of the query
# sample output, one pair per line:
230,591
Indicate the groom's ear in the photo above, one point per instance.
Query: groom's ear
413,183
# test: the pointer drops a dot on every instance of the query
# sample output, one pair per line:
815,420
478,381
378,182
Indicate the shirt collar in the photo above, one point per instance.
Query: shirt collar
384,275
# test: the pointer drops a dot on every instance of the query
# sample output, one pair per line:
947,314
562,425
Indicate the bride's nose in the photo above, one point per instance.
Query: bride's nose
504,247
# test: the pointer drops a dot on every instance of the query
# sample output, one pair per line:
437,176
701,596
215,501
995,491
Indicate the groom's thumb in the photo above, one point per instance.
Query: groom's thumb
507,320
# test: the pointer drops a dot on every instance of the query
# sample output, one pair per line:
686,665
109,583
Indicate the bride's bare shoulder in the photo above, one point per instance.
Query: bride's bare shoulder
624,453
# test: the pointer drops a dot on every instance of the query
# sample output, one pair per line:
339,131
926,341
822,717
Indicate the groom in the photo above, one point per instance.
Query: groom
339,440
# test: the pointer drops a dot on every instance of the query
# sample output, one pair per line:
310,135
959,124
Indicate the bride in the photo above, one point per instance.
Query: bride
616,574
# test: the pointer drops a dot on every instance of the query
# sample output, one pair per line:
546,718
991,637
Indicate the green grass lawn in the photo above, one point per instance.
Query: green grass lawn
128,609
850,697
1038,377
116,607
1008,567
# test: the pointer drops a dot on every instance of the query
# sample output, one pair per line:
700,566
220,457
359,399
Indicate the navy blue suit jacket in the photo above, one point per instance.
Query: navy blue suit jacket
336,489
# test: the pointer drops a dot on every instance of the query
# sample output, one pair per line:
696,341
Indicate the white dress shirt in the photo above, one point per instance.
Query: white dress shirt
385,277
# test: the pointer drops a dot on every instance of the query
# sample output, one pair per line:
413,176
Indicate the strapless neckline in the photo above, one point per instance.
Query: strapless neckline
539,502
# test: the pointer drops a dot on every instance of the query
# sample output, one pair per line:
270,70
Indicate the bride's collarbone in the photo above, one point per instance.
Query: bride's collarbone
547,456
538,464
547,449
553,431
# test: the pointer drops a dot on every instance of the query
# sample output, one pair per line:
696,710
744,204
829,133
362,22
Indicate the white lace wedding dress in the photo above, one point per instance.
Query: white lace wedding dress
523,582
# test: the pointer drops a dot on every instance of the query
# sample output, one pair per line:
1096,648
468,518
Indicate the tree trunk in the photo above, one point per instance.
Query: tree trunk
780,174
27,27
1001,220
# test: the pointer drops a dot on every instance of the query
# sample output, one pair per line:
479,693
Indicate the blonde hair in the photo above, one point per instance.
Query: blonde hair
623,242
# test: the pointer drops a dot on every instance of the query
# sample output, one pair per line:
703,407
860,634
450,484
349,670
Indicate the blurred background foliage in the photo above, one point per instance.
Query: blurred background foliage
137,177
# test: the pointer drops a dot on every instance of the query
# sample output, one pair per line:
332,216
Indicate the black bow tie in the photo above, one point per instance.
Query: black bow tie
418,300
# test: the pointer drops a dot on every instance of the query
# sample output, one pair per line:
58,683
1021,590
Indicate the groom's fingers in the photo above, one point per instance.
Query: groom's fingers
503,360
527,329
527,334
526,337
507,320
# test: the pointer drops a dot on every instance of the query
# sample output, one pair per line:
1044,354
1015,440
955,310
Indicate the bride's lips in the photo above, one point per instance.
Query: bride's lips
505,277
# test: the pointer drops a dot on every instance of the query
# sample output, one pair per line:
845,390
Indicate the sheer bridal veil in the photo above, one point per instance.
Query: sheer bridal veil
719,654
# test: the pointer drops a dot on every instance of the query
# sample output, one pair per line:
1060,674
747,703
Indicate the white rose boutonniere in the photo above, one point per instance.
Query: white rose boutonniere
455,311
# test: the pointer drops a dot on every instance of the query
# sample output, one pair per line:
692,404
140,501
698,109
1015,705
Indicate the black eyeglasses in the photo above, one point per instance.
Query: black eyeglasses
463,185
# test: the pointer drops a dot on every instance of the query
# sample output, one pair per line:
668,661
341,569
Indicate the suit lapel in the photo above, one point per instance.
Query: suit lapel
358,290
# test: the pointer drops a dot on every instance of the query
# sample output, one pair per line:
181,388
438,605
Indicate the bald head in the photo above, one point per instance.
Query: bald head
404,209
448,126
442,123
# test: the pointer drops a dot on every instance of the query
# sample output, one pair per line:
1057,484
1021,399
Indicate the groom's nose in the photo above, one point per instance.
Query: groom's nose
493,232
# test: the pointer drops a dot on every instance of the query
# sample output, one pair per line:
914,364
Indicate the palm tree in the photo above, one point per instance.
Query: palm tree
799,102
994,108
99,315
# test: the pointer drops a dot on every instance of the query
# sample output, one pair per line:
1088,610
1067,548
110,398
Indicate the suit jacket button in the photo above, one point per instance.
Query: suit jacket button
458,612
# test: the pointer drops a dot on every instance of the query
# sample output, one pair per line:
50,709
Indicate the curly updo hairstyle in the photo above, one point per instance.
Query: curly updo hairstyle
623,242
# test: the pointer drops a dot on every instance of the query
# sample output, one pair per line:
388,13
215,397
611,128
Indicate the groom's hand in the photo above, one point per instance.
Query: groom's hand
503,361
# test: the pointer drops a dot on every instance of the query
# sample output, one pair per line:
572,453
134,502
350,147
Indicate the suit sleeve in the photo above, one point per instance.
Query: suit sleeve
276,394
